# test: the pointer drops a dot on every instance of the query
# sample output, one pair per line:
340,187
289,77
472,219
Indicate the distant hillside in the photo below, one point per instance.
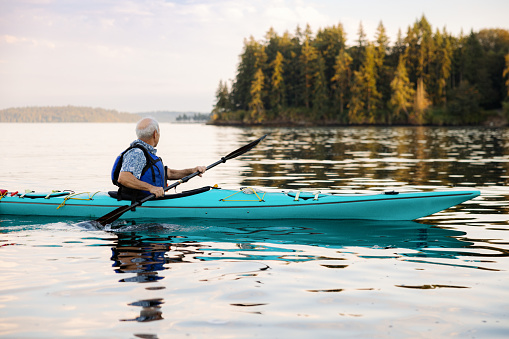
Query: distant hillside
170,116
64,114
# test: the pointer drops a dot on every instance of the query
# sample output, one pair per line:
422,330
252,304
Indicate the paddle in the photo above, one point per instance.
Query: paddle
115,214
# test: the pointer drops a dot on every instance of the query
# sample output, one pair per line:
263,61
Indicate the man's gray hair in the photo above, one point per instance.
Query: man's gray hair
145,128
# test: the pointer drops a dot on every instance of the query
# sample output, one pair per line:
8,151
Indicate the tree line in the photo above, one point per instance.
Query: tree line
194,117
425,77
64,114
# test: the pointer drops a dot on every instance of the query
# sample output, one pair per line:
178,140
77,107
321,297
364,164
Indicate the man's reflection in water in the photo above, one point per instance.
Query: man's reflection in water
132,255
150,310
144,256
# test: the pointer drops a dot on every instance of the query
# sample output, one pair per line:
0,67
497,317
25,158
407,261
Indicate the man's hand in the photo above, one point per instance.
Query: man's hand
200,169
158,191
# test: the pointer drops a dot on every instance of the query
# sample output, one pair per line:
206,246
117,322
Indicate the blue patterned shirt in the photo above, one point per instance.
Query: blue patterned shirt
134,160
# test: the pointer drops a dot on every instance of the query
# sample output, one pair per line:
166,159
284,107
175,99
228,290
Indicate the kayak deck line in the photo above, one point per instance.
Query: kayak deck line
303,203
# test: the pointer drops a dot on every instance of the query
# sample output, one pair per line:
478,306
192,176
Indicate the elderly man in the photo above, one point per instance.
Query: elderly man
138,171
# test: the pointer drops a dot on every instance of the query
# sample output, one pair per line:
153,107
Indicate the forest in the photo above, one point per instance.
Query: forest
64,114
425,77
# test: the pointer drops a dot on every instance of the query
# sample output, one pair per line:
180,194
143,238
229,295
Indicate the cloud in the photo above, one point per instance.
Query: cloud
13,40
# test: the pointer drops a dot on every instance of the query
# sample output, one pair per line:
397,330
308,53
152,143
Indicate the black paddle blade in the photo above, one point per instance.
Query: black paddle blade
113,215
244,148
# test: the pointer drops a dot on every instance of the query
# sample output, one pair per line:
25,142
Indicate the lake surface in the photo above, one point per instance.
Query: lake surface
442,276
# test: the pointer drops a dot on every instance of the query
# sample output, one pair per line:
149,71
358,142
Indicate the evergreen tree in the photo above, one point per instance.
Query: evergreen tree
320,95
359,50
328,42
411,53
427,49
399,47
381,46
402,92
383,73
357,105
362,41
420,50
474,68
294,79
256,107
308,62
365,99
341,81
441,68
373,96
290,48
222,98
277,93
457,45
421,103
273,45
250,61
308,33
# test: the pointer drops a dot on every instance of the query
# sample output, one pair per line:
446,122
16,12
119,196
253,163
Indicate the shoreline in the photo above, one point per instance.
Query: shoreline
492,122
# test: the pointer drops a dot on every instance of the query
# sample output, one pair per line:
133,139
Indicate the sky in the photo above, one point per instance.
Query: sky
156,55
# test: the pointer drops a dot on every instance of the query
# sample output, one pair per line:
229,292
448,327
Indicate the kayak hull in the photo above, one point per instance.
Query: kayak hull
228,204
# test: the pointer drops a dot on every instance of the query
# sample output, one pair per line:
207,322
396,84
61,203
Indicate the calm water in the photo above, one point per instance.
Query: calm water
442,276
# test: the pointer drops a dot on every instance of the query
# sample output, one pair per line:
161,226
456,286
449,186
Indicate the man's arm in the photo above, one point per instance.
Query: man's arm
174,174
127,179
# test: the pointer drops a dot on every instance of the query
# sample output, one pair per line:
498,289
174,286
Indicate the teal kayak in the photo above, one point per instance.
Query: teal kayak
243,204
